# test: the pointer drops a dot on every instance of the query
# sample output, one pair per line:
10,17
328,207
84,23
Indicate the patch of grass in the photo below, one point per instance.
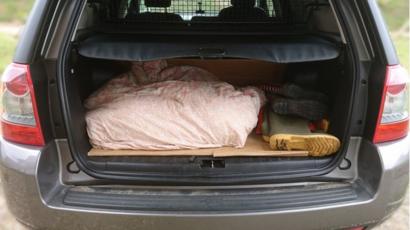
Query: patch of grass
15,11
402,48
7,46
396,12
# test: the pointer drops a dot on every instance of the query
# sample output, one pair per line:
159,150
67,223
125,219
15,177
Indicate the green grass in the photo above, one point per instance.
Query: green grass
402,48
7,45
396,12
14,11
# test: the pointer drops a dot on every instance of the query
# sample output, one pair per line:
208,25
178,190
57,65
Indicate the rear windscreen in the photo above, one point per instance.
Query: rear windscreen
207,11
189,9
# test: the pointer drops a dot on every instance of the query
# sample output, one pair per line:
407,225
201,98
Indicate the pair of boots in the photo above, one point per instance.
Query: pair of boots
291,99
286,122
292,133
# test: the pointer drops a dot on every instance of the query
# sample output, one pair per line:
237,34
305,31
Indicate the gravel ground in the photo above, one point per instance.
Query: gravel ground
7,221
399,220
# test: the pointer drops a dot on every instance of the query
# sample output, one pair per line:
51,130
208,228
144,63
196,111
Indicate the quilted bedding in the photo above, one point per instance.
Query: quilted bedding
156,107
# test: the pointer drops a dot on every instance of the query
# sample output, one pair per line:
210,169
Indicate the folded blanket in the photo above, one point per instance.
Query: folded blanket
154,107
143,73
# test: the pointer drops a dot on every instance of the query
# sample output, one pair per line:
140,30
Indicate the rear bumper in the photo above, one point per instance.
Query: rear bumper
37,196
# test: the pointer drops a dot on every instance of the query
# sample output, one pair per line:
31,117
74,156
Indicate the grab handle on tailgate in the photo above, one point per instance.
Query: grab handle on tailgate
211,53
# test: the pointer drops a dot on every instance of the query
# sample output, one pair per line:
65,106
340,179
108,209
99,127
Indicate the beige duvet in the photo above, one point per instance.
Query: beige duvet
155,107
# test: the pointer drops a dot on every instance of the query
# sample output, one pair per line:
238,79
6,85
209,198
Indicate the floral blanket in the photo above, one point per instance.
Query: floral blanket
156,107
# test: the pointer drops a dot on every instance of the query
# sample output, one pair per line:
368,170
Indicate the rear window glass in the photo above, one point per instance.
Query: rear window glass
202,16
188,9
207,11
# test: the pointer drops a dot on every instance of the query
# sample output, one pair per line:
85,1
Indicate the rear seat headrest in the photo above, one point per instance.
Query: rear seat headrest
243,3
157,3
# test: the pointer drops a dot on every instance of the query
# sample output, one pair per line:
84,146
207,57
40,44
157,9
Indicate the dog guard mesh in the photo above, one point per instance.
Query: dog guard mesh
217,11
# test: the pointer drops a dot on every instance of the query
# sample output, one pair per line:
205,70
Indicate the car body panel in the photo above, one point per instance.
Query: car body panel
35,196
36,180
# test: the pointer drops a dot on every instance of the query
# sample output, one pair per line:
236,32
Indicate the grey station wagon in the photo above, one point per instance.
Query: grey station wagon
69,49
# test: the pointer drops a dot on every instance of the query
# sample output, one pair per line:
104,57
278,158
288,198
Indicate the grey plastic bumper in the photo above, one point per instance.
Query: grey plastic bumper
35,195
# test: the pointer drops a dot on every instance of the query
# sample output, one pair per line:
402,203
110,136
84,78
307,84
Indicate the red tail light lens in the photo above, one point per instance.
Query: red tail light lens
19,118
16,81
393,120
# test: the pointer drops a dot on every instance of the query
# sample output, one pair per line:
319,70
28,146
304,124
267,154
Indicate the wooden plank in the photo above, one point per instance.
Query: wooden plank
186,152
254,146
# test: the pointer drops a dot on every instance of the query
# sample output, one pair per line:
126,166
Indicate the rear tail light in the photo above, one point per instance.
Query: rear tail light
19,117
393,120
357,228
